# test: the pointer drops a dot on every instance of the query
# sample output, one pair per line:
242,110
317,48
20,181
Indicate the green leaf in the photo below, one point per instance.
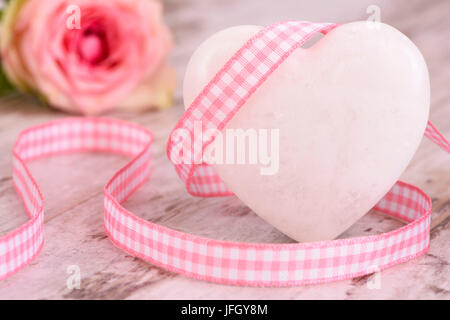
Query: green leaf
3,4
5,86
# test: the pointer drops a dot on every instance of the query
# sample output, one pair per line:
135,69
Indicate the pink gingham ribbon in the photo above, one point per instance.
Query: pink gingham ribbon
287,264
197,257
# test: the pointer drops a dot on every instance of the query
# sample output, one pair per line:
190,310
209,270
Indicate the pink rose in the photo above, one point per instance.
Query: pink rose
114,58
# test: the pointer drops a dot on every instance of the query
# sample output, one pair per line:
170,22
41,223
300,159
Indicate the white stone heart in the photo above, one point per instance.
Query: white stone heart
351,111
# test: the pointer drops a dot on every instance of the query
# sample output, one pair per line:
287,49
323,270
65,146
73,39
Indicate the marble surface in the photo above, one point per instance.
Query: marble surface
74,221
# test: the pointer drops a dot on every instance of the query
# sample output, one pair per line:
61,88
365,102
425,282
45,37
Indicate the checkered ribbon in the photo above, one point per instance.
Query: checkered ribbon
197,257
288,264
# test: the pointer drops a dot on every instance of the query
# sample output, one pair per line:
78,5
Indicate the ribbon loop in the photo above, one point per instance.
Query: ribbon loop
219,101
227,92
197,257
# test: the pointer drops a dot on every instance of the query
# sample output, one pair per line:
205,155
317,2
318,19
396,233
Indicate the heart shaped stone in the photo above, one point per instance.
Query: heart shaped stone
350,110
